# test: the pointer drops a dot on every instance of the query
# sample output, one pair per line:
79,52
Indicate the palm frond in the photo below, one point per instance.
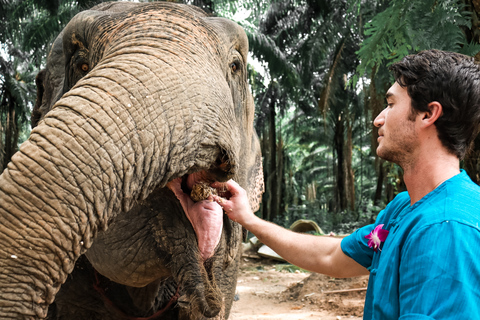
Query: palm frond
265,49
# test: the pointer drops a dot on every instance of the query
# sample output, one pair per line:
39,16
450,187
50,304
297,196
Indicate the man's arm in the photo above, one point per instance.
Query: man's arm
321,254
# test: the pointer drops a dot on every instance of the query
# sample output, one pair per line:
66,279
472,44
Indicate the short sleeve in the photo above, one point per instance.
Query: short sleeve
439,272
356,246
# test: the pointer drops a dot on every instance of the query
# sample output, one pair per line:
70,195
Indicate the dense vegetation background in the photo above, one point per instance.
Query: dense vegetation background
319,76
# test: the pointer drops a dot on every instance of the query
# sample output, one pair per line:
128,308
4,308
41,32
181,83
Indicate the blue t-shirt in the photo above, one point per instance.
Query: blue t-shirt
429,265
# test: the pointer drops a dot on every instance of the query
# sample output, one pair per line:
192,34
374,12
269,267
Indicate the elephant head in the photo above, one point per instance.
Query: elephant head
135,97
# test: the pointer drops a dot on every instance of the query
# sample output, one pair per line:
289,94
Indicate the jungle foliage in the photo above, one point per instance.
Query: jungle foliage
319,78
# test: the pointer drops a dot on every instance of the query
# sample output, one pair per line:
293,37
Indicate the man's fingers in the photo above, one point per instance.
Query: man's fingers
224,203
233,186
235,189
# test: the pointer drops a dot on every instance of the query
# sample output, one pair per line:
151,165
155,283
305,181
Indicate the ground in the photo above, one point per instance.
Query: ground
271,290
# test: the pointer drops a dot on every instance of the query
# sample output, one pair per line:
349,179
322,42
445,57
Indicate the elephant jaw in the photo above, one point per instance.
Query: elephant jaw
205,216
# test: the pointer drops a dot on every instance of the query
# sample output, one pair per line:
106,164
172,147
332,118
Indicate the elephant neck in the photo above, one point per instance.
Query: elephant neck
119,312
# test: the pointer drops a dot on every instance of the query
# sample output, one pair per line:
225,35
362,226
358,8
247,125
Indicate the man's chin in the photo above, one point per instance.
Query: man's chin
385,154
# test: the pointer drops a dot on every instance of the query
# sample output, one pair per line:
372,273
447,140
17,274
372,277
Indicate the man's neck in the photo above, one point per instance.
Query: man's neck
425,175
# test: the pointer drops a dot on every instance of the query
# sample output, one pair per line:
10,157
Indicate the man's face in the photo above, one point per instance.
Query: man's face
397,136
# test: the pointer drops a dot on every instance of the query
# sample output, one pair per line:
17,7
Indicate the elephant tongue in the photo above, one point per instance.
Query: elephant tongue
206,218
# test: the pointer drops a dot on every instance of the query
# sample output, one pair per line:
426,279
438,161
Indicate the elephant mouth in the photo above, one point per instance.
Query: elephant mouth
194,192
198,184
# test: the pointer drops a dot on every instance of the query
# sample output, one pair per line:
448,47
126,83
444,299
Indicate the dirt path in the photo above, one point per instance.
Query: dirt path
266,293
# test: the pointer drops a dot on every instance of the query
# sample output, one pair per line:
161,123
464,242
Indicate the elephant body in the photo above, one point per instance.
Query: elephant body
134,97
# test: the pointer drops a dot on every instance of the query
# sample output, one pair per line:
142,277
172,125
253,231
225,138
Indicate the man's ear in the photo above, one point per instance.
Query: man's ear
435,110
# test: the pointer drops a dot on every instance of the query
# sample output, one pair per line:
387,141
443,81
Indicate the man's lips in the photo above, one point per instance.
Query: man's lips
380,135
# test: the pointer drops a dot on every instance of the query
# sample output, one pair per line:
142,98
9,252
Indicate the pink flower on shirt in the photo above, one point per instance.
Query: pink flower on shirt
376,237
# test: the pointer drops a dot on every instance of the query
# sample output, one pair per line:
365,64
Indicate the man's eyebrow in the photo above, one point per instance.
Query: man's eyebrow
388,95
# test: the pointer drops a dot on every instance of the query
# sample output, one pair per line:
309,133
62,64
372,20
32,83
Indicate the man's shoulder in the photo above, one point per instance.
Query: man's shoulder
458,200
399,203
462,192
463,183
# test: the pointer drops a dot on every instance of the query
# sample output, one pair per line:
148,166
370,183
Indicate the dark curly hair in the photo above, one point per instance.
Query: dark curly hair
453,80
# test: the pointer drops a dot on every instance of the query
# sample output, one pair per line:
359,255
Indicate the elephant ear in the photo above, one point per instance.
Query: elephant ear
255,185
51,80
37,113
256,189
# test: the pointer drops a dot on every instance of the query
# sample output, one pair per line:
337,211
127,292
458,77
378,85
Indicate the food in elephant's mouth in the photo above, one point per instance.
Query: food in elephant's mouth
201,191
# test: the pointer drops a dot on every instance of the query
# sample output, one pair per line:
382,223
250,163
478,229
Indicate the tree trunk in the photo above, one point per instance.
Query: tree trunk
272,172
339,145
266,170
376,107
270,159
279,181
349,174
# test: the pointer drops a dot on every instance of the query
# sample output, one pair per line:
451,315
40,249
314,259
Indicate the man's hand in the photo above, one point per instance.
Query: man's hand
237,207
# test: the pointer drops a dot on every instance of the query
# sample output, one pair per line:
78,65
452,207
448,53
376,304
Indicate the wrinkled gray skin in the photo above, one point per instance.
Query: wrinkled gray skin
134,95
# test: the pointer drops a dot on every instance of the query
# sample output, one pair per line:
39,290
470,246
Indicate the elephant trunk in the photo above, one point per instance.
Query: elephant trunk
203,295
41,233
101,148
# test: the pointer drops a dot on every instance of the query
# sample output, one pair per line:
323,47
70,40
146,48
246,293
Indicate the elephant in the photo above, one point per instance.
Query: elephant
138,102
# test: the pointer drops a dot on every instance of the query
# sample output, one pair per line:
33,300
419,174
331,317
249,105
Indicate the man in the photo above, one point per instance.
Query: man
423,251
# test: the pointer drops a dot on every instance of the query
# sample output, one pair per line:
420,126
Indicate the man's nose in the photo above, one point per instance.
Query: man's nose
380,119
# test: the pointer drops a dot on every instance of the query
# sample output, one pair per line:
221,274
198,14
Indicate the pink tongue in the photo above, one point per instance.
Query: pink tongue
206,218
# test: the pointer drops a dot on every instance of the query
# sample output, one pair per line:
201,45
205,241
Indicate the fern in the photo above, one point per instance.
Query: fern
407,27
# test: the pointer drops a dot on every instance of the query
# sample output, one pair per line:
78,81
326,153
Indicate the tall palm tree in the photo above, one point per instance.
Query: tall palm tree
307,61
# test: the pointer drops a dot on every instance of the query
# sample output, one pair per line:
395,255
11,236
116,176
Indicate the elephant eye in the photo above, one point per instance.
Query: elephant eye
84,67
234,66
